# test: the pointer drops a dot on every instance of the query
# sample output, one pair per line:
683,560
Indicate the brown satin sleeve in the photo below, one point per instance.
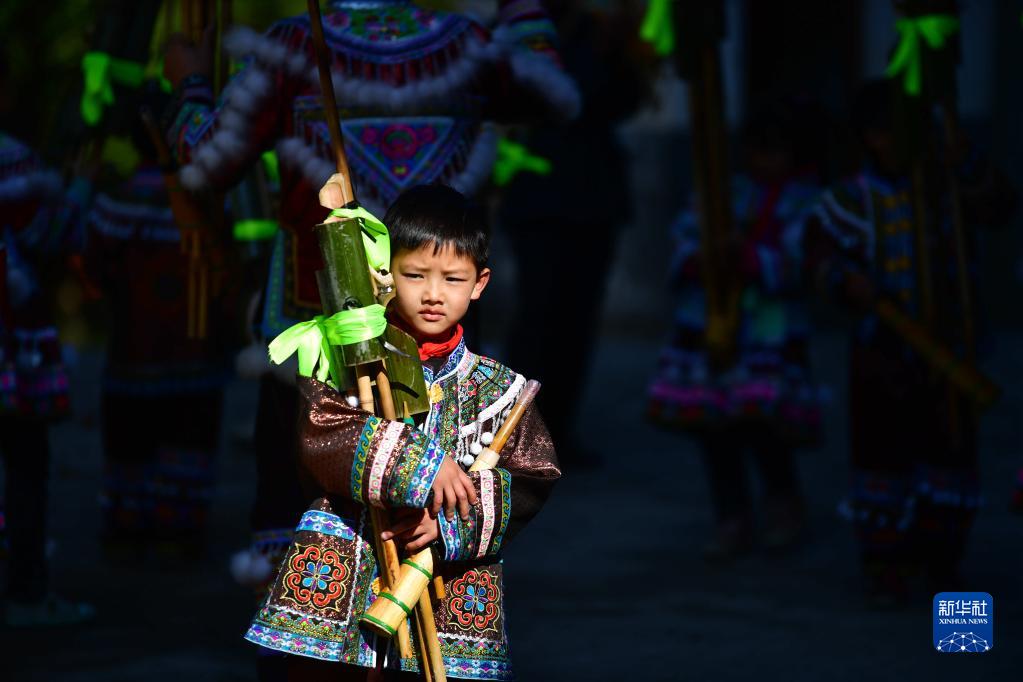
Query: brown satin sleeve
328,432
530,458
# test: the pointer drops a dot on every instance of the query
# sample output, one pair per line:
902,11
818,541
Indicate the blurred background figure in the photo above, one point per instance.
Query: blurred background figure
162,388
563,227
915,486
761,400
40,224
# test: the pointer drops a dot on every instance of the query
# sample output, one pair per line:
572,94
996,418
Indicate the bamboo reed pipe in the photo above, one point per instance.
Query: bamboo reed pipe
384,613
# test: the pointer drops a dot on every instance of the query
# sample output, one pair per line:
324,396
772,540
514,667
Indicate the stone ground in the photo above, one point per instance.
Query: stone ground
606,584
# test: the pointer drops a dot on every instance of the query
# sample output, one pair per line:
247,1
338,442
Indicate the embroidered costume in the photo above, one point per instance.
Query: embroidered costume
416,88
913,442
328,578
162,392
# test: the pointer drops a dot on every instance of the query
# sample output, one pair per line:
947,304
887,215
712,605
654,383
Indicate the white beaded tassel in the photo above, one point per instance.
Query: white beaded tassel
487,438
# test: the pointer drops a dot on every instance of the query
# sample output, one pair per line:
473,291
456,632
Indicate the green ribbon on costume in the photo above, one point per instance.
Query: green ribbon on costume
312,340
658,28
272,166
101,72
254,229
514,158
933,29
374,236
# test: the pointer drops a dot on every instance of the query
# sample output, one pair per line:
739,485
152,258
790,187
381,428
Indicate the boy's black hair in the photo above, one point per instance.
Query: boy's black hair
442,216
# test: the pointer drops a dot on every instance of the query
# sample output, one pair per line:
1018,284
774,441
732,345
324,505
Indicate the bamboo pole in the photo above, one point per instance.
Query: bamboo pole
383,614
429,643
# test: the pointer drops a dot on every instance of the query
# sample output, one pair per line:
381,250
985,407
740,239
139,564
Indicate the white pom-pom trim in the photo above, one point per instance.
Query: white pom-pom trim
250,568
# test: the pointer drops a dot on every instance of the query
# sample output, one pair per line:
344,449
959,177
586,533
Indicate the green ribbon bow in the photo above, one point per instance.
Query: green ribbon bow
254,229
101,73
513,158
312,340
657,28
933,29
374,236
272,166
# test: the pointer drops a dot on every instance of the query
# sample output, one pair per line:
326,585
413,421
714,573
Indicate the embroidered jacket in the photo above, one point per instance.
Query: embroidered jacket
771,378
415,87
328,578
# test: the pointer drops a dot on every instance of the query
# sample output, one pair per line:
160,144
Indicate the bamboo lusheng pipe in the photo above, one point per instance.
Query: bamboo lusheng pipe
329,103
962,375
387,611
721,289
962,266
387,553
422,563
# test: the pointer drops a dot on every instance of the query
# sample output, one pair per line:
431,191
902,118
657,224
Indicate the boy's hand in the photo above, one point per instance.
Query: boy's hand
331,196
416,528
452,487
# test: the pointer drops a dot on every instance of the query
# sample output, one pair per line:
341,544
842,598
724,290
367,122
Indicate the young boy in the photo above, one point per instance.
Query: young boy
329,577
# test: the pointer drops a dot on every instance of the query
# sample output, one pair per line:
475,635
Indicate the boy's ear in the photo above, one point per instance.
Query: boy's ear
482,279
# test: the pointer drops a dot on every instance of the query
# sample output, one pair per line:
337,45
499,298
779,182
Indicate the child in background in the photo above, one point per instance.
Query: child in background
764,402
439,255
915,485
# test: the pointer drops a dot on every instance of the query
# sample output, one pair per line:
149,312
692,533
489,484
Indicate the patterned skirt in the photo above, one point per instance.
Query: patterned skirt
687,395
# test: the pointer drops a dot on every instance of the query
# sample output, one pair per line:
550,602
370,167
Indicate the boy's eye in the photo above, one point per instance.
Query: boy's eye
456,279
412,275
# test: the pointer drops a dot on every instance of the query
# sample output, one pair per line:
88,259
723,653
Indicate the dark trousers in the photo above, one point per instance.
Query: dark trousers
725,461
26,451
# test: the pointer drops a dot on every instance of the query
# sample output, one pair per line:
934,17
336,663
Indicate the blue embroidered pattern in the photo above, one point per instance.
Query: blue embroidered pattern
328,524
361,453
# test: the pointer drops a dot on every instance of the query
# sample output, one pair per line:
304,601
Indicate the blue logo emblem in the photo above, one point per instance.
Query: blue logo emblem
964,622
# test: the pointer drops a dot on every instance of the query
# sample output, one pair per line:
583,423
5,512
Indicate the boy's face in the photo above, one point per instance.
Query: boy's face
433,290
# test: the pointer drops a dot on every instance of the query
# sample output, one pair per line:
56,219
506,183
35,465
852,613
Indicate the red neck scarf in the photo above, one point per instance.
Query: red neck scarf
430,349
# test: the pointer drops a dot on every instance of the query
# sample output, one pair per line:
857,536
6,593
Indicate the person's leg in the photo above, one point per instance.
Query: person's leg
784,517
725,466
26,453
948,493
129,449
184,472
885,428
26,450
